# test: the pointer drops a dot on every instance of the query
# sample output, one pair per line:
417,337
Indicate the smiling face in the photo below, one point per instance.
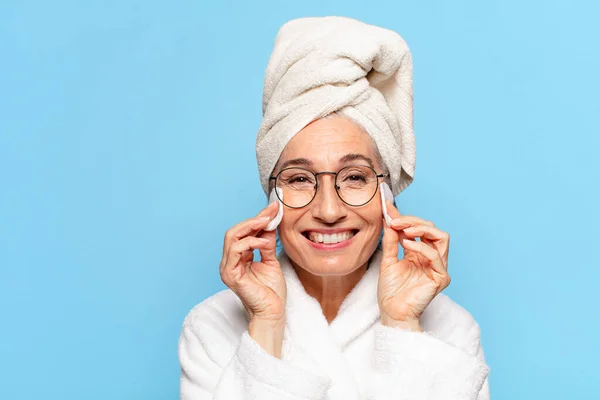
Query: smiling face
328,237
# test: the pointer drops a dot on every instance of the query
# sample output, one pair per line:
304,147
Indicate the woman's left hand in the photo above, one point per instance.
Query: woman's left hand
407,286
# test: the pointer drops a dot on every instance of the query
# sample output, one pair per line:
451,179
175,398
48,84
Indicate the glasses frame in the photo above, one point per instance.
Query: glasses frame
337,188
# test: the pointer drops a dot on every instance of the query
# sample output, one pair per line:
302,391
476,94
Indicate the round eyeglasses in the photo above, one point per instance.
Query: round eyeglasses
355,185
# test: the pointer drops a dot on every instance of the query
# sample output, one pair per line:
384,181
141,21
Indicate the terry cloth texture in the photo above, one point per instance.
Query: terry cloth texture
354,357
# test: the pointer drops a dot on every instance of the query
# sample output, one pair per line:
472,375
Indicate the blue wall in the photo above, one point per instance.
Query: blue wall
127,150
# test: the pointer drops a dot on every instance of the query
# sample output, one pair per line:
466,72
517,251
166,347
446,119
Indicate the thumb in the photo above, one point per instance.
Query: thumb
390,246
390,238
269,252
391,210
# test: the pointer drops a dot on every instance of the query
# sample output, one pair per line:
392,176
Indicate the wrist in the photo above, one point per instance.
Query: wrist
267,323
268,334
405,324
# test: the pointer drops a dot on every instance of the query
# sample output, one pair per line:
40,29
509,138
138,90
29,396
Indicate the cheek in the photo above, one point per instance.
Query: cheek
373,216
373,219
286,228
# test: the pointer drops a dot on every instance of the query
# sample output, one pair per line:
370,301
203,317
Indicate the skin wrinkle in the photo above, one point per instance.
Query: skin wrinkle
345,159
378,158
330,276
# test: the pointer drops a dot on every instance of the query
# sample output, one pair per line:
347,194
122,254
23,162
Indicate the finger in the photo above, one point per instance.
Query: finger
428,252
409,220
389,245
248,244
249,227
247,256
259,222
253,225
401,221
434,237
391,237
270,210
246,259
269,252
391,210
237,250
426,231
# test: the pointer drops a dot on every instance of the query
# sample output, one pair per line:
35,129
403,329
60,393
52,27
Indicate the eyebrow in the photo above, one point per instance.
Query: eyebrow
297,161
345,159
355,156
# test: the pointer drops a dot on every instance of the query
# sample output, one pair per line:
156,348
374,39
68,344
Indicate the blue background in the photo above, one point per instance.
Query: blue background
127,150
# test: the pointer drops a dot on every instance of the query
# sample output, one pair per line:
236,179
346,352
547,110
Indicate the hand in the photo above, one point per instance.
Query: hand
407,286
259,285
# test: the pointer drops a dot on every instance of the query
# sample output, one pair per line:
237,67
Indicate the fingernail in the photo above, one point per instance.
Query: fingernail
265,240
407,242
264,218
396,221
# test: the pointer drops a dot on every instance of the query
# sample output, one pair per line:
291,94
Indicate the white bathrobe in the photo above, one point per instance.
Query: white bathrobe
353,358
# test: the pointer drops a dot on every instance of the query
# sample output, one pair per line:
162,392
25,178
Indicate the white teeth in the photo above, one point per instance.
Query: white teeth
330,239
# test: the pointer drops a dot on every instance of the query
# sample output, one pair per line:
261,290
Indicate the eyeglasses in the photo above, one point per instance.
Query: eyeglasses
355,185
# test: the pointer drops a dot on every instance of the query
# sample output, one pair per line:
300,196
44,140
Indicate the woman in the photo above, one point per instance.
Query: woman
338,314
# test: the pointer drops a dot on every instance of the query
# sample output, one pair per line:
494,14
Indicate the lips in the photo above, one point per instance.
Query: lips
330,237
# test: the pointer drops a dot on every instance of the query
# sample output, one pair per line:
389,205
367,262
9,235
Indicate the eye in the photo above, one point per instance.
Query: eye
298,179
356,178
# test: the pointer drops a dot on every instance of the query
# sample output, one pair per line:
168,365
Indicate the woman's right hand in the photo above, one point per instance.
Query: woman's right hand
260,285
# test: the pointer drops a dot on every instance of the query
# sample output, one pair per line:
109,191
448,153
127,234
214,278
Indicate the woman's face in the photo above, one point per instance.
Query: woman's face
328,145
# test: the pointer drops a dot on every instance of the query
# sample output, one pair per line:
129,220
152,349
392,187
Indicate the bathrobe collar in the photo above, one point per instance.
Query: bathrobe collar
307,330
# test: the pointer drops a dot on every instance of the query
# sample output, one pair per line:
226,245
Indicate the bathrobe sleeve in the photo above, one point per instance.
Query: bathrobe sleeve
419,365
215,364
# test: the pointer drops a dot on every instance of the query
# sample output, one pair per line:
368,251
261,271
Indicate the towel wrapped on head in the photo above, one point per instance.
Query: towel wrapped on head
327,64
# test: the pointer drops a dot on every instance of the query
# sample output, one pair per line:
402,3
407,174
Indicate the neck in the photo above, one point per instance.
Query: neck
329,290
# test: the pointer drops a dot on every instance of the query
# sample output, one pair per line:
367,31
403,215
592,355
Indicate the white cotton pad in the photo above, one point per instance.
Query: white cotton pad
272,198
386,194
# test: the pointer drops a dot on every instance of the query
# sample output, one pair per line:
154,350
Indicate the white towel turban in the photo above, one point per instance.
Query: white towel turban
326,64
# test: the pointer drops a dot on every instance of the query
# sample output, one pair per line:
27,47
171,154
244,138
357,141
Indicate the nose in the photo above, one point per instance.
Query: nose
327,206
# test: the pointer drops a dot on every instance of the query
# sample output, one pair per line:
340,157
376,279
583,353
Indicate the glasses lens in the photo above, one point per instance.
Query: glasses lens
297,185
357,184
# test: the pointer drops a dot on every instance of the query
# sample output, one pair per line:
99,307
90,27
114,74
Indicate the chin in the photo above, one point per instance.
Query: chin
333,260
333,265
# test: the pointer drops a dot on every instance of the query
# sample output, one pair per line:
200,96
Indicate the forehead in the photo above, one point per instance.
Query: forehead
327,140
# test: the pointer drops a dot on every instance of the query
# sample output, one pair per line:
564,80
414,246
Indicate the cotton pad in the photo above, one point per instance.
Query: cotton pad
272,198
386,194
